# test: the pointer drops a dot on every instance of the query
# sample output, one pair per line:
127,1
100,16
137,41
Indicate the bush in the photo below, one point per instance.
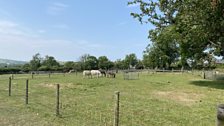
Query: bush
9,70
43,68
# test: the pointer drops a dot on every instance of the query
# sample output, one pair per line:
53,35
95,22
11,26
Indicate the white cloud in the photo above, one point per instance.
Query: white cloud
4,23
21,45
8,27
56,8
14,29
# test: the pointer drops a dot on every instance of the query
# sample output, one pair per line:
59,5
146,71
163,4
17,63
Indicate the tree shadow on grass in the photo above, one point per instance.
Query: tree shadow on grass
219,84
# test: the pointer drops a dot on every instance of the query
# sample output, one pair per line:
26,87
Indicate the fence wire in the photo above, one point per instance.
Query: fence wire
78,107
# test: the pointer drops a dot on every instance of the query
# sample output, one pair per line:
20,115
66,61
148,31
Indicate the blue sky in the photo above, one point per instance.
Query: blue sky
67,29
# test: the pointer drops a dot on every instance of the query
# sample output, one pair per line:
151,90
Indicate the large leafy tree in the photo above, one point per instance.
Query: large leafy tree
83,59
26,67
131,60
91,63
197,25
139,65
165,38
77,66
164,50
104,63
35,63
151,57
120,64
50,61
70,65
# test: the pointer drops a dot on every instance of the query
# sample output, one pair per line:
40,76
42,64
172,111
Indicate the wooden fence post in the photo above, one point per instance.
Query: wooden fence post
10,85
57,100
27,82
220,115
32,74
12,76
182,69
116,109
203,75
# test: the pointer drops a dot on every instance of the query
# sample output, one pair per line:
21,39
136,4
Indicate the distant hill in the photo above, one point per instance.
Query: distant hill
11,62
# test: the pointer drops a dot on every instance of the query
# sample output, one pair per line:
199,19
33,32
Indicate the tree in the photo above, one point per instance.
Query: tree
139,65
120,64
131,60
69,65
35,63
150,57
104,63
164,37
50,62
164,51
110,65
77,66
26,67
83,59
196,24
91,63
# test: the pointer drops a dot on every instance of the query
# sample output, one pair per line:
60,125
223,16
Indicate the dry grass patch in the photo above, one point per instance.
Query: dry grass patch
184,98
53,85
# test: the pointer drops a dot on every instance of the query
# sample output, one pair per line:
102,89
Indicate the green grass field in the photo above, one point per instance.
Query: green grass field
161,99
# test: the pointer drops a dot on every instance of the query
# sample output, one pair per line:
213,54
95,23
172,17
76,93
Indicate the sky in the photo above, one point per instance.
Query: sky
67,29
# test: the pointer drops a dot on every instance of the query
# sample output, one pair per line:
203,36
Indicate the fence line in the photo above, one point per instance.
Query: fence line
92,112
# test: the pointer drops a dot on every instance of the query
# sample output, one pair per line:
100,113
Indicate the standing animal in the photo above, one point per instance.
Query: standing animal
96,73
111,74
87,73
103,72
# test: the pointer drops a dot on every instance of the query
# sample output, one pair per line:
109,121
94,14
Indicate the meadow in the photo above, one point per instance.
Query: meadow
159,99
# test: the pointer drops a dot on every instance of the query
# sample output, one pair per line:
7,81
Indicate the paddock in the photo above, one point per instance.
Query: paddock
153,99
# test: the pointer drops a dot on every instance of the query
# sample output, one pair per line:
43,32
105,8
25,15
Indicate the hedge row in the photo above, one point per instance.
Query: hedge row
9,70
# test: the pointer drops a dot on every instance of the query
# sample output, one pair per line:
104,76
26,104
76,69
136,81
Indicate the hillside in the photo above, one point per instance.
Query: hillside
11,62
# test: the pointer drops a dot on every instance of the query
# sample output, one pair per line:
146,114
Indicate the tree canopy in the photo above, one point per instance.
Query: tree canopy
131,60
104,63
191,30
42,64
35,63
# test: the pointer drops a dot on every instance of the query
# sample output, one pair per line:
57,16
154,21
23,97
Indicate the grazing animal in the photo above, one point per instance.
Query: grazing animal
103,72
96,73
111,74
87,73
70,71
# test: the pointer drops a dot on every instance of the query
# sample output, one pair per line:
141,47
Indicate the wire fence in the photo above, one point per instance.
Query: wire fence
80,108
